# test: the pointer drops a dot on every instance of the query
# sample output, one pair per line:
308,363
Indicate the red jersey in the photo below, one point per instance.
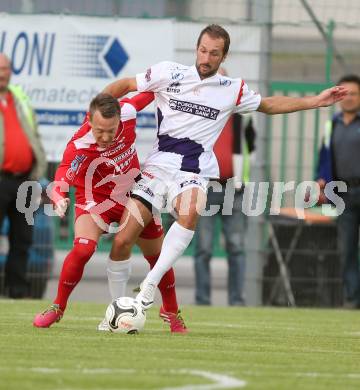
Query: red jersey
18,154
88,167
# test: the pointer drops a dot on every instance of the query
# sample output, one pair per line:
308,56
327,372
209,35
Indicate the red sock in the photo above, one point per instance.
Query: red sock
166,287
73,269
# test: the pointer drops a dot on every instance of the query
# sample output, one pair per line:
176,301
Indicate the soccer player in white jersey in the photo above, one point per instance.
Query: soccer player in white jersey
193,104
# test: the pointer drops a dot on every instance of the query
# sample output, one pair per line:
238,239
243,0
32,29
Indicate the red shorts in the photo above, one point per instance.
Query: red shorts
113,214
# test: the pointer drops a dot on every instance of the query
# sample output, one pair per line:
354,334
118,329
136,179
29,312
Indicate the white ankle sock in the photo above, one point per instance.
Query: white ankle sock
118,273
175,242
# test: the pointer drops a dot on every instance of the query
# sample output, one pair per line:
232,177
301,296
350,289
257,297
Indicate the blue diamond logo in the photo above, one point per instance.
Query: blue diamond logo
116,57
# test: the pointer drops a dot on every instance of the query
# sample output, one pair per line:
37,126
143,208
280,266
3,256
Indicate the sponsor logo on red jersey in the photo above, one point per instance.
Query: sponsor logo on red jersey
75,166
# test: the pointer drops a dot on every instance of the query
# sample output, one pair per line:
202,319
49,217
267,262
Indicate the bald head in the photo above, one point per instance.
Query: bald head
5,72
4,60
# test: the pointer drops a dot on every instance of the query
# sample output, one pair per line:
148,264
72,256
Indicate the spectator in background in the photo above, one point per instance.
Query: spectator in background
22,158
340,160
232,149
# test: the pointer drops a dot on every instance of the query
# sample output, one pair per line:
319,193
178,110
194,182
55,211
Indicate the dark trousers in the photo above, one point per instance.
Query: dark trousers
20,237
348,234
234,229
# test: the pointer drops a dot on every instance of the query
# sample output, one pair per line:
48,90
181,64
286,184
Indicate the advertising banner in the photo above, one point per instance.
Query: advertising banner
62,62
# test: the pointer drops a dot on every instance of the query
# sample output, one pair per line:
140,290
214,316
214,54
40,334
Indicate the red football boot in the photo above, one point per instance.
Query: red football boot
48,317
176,322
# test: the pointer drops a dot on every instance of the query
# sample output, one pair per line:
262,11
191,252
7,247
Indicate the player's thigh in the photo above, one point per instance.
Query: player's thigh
87,227
188,205
136,216
187,193
152,188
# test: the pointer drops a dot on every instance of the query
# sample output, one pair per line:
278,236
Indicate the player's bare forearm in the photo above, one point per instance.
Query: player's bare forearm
121,87
286,104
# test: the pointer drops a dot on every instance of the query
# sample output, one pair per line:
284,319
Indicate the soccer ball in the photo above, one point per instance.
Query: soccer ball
125,315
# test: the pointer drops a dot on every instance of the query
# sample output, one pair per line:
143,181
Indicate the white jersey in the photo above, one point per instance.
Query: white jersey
191,114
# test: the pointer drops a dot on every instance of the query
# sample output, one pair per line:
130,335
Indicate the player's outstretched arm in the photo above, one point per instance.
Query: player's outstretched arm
121,87
286,104
141,100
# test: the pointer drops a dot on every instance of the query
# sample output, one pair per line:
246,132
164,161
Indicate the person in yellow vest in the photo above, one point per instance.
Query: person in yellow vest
22,158
233,150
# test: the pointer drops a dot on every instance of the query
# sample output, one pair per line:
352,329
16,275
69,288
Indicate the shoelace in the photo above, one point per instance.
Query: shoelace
177,321
54,308
180,319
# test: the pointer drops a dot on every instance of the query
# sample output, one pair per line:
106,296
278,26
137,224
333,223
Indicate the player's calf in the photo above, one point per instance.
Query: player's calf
70,276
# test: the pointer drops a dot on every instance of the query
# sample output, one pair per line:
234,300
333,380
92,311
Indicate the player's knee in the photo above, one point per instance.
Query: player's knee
189,220
193,214
188,212
84,248
121,248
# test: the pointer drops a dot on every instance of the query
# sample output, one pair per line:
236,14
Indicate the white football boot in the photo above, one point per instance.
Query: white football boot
146,295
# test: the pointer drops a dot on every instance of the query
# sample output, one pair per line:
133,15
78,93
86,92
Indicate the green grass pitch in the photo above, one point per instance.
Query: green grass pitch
227,348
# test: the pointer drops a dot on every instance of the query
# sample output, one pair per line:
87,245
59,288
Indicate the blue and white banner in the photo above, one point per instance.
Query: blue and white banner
64,61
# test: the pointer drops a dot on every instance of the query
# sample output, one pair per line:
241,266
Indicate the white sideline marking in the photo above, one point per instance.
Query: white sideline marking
352,333
44,370
306,374
96,371
326,375
221,381
354,376
87,371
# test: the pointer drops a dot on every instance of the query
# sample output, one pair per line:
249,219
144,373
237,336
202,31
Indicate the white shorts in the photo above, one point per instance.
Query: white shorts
160,187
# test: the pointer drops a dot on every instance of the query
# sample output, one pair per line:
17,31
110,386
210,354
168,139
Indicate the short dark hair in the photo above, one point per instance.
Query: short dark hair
350,78
106,104
216,31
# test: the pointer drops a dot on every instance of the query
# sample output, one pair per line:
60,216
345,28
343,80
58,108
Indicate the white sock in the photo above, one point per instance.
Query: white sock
175,242
118,273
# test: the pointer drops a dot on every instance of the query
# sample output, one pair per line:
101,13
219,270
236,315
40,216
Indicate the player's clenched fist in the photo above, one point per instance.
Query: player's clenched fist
61,207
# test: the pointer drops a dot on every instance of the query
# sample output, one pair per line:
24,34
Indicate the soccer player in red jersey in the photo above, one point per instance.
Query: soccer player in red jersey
101,162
